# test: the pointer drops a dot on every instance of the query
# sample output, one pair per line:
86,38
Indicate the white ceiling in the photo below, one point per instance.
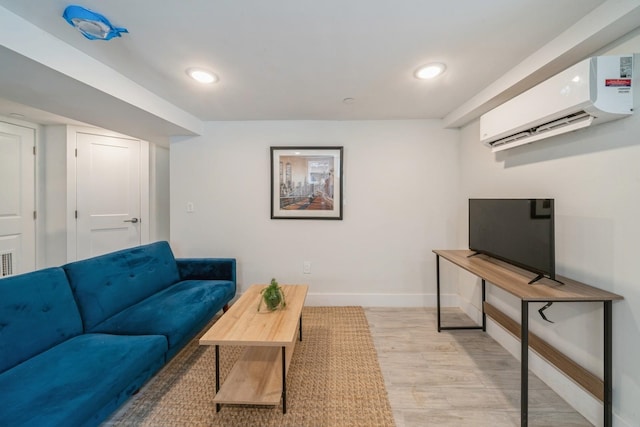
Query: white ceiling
291,59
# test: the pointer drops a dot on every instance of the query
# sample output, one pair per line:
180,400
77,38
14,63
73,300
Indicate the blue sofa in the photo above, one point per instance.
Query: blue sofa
76,341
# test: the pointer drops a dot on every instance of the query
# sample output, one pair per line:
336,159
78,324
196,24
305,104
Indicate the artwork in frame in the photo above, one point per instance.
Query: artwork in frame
306,182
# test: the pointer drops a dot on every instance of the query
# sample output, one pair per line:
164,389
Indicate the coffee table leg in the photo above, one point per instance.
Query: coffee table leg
301,328
284,381
217,375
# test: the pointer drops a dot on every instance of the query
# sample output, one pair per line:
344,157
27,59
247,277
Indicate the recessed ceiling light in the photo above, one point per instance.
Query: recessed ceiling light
202,76
430,71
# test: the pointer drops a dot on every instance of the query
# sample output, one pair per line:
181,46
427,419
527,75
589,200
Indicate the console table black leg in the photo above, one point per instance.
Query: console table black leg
449,328
300,327
438,288
217,375
484,298
284,381
608,345
524,365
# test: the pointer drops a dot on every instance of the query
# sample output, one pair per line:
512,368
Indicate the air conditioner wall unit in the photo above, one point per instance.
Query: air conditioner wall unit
593,91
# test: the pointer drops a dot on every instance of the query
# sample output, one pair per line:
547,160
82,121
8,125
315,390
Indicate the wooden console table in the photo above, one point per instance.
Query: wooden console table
515,281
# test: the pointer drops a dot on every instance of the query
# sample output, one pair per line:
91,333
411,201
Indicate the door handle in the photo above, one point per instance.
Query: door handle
133,220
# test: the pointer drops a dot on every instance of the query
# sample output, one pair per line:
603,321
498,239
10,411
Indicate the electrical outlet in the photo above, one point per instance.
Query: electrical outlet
190,207
306,267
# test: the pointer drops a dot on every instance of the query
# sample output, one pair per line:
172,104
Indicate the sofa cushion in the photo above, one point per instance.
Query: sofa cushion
37,311
107,284
177,312
68,384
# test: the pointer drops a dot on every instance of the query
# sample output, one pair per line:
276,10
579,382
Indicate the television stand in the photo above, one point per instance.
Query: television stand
515,281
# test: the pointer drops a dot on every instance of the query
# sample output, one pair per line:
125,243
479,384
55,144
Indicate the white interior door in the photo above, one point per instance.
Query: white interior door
17,199
108,194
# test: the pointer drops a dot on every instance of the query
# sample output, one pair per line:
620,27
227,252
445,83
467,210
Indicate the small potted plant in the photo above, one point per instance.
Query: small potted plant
273,296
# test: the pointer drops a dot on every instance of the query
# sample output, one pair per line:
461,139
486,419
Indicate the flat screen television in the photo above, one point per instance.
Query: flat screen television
517,231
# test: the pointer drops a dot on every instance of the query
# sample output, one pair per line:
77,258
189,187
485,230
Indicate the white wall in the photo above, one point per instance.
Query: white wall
400,194
159,195
59,172
594,177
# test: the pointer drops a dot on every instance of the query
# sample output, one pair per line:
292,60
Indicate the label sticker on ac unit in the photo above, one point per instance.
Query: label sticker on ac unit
617,82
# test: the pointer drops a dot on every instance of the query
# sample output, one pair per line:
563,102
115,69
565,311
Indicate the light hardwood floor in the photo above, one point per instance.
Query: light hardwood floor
455,378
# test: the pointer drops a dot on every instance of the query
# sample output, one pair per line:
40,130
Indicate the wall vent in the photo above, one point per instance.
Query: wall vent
6,264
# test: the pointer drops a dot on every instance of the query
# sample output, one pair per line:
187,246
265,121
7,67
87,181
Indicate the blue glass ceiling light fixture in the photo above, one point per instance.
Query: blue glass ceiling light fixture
92,25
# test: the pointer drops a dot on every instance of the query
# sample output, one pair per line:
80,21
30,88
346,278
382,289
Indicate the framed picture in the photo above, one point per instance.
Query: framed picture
306,182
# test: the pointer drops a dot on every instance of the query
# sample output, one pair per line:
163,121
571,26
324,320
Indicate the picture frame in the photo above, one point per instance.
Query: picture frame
306,183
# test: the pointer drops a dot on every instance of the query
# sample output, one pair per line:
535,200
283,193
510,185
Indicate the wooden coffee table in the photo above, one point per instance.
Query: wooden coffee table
259,377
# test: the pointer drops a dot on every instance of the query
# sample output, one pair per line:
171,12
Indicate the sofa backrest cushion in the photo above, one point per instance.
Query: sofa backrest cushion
37,311
107,284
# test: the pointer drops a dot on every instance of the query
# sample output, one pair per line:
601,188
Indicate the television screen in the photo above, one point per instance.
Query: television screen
518,231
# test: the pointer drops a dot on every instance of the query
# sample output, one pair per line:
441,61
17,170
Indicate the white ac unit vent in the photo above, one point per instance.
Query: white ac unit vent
594,91
6,264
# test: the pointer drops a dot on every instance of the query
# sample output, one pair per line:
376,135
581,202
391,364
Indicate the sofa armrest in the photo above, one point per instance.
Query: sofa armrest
207,269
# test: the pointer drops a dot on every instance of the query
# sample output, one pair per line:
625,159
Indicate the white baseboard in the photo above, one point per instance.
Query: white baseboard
617,421
377,300
380,300
470,310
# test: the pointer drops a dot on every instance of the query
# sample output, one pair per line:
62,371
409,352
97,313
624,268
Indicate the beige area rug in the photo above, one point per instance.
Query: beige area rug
334,380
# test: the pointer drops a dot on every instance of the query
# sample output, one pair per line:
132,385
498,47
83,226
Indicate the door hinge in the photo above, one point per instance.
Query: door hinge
76,152
76,214
35,215
34,150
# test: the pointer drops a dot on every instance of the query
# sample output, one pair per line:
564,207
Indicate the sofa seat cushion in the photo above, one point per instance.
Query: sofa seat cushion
68,384
107,284
173,312
37,311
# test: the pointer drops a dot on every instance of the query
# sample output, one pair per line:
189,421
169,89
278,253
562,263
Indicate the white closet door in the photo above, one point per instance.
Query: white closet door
17,199
108,194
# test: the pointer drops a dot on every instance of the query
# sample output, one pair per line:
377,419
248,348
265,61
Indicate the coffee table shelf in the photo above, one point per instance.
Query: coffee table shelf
269,337
256,379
